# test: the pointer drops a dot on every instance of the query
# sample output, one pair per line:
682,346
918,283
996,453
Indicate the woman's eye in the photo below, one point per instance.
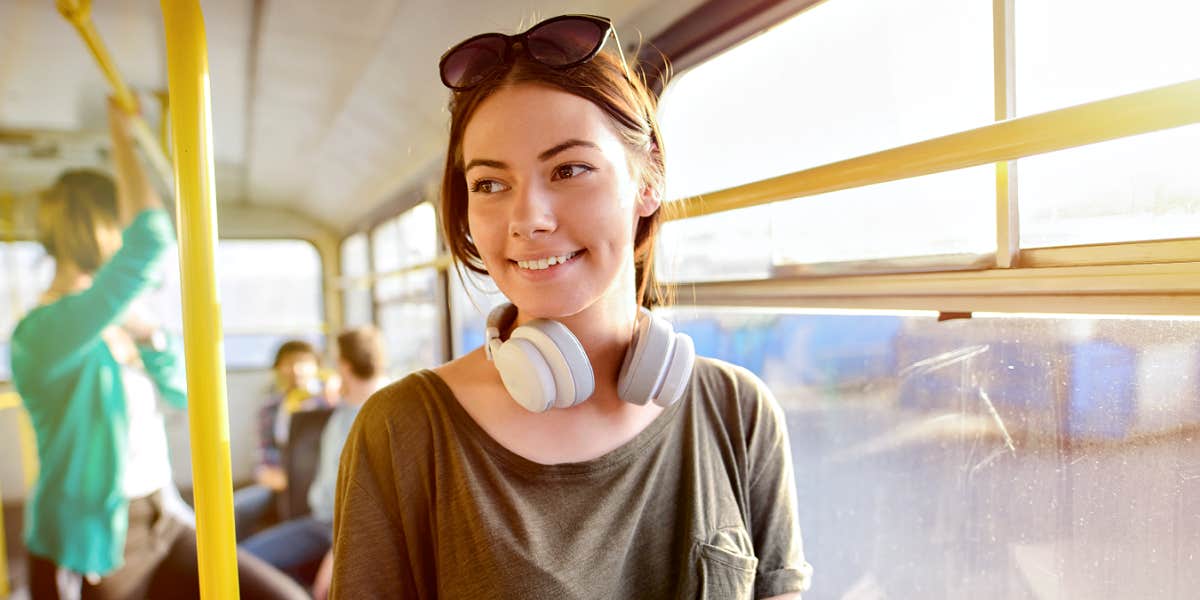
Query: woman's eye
487,186
569,171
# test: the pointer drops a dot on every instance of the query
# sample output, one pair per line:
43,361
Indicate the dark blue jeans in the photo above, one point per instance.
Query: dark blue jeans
253,506
295,547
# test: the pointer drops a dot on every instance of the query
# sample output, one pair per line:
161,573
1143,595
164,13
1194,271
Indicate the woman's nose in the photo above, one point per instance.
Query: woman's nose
532,215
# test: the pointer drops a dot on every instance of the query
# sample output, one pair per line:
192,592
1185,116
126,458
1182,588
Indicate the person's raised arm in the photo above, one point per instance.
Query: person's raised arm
134,191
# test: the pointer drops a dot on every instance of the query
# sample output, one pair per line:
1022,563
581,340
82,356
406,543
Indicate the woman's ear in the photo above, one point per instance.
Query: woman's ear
649,200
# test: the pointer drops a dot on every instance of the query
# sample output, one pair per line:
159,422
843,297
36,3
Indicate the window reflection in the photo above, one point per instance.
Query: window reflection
987,458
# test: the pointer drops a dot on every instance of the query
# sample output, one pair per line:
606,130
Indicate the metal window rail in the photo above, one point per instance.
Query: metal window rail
1122,116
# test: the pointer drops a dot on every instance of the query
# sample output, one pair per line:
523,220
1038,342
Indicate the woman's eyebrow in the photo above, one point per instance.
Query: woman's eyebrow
485,162
547,155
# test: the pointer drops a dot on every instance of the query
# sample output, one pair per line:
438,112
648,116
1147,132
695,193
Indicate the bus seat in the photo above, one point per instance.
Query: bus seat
300,460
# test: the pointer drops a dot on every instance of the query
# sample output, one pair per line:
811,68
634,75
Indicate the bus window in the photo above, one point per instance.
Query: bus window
983,457
411,322
469,307
1067,55
846,78
895,219
839,80
270,292
408,304
31,271
1140,188
356,295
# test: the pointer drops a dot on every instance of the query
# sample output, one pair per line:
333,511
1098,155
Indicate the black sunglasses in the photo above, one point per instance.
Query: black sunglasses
561,42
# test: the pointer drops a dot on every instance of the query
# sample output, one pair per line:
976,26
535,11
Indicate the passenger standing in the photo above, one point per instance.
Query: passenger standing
96,522
583,452
298,546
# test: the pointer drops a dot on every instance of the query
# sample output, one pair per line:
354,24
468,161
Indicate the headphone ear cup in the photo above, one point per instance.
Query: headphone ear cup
646,360
525,374
569,364
679,371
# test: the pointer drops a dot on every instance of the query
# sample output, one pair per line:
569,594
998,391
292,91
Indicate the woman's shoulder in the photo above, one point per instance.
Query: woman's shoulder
418,392
733,394
715,377
404,408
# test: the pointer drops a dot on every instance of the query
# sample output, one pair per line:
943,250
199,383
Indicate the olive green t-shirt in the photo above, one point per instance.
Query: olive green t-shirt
700,504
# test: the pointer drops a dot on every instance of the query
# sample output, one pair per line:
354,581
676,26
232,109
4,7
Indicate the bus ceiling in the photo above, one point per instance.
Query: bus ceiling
331,118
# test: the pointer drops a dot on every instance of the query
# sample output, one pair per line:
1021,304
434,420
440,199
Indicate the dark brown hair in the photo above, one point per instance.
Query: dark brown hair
630,108
293,347
362,349
70,214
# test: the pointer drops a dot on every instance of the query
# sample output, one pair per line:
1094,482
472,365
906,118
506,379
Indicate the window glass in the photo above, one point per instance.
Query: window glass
469,307
872,222
982,457
1146,187
385,247
1074,51
27,272
839,80
270,291
1137,188
406,240
356,296
412,325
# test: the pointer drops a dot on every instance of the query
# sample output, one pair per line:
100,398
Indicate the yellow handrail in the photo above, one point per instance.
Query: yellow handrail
79,14
1132,114
208,411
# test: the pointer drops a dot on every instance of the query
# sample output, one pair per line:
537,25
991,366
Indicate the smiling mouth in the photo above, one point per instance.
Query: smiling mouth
542,264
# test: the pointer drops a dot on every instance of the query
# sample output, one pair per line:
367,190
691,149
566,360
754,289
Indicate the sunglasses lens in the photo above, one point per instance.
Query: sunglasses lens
565,41
473,61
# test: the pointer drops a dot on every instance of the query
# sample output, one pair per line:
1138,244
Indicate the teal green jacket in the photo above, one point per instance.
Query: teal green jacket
71,386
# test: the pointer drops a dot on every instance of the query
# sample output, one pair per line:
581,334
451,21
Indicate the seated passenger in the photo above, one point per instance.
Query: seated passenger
584,452
296,387
298,546
91,377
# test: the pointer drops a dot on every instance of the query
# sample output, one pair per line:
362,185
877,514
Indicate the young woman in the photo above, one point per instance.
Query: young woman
581,453
90,377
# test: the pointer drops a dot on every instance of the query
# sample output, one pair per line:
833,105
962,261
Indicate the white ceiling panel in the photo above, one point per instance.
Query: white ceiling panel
329,109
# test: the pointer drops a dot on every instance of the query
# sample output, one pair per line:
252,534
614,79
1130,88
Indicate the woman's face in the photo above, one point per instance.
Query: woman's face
296,370
552,200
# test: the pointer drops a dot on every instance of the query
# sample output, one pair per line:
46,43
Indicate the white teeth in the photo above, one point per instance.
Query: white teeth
545,263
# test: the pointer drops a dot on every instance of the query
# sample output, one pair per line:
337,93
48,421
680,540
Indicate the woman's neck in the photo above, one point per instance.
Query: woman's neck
68,279
605,329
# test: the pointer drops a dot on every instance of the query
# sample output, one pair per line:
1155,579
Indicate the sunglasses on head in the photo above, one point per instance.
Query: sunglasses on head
560,42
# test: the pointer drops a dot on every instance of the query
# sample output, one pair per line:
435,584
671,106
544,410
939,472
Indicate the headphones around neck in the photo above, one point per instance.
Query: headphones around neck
543,366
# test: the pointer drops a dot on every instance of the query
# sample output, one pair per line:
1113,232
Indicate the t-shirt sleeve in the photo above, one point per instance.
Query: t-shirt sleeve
774,513
370,549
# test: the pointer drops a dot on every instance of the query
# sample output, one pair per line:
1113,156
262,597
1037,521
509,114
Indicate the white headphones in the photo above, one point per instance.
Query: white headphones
543,366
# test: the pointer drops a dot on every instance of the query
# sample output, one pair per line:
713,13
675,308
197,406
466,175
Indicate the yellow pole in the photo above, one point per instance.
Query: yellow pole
208,416
79,14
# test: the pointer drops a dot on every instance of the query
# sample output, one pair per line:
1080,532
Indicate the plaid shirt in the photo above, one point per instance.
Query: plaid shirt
274,418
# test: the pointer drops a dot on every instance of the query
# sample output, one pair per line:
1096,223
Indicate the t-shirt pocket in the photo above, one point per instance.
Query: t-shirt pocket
727,569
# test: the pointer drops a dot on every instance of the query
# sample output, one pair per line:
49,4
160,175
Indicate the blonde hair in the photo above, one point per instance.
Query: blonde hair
72,212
